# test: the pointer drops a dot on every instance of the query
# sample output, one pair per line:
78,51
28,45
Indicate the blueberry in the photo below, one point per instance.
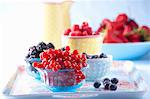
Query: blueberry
113,87
114,80
42,43
102,55
97,84
106,80
50,45
94,56
106,86
63,49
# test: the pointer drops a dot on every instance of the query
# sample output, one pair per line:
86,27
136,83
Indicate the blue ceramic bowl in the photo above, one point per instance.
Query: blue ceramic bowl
60,81
126,51
31,70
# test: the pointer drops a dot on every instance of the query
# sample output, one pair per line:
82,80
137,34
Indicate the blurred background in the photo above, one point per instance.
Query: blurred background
25,23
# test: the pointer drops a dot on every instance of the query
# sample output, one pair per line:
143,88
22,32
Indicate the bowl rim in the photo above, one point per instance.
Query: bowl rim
131,43
82,37
109,57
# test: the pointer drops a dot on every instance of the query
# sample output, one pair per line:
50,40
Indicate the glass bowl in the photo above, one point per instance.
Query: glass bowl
97,68
60,81
32,70
84,43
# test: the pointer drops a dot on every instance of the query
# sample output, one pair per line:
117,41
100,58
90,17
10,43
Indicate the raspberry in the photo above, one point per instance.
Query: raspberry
84,33
85,24
122,18
76,27
67,31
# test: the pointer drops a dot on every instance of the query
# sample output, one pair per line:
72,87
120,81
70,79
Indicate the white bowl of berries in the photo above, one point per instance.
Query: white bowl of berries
61,70
124,38
98,66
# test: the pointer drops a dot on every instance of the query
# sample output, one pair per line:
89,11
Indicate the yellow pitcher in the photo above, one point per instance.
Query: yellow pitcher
57,19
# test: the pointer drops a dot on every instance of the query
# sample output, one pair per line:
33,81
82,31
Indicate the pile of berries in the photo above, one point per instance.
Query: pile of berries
107,84
83,30
123,30
35,51
56,60
102,55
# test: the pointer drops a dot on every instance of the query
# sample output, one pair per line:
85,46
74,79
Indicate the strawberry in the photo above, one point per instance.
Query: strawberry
127,30
132,23
134,37
122,18
146,29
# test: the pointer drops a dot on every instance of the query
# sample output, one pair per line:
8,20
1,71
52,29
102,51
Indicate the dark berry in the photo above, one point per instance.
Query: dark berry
103,55
32,48
40,48
94,56
97,84
113,87
106,86
114,80
42,45
106,80
50,45
28,55
63,49
33,52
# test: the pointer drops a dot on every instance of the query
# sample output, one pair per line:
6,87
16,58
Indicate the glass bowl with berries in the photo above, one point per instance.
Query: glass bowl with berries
61,70
34,56
83,39
124,38
98,66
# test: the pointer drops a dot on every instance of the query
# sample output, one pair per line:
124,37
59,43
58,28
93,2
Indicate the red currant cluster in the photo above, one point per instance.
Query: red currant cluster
63,59
84,30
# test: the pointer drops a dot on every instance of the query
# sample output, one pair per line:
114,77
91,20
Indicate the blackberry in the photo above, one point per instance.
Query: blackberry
50,45
42,46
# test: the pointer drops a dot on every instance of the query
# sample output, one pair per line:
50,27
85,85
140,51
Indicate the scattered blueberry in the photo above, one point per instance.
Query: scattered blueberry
106,80
106,86
114,80
113,87
102,55
97,84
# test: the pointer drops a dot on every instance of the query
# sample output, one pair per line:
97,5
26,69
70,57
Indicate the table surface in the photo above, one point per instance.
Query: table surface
143,65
